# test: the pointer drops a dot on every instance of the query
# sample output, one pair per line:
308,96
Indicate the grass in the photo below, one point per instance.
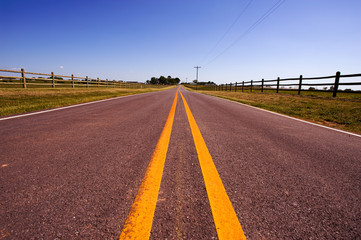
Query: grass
326,94
19,100
343,112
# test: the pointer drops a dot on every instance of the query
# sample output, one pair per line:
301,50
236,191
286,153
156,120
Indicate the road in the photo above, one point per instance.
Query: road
76,173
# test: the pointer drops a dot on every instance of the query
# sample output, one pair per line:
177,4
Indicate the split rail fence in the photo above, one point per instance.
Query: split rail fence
297,84
25,79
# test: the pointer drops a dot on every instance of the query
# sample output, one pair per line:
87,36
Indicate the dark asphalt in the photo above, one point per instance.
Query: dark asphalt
74,173
286,179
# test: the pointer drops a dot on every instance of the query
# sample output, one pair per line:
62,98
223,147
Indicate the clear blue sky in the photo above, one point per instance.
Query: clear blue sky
138,39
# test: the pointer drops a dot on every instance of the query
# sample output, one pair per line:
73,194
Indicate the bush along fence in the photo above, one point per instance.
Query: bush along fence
30,79
294,84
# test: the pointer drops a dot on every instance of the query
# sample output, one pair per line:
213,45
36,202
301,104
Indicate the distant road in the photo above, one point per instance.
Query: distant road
75,173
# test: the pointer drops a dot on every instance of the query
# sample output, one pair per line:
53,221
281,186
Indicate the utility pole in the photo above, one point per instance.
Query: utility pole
197,67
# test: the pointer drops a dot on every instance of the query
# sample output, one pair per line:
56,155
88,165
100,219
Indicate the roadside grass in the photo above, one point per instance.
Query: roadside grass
343,112
18,100
325,94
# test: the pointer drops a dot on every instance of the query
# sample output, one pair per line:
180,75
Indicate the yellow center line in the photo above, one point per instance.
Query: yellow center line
224,216
139,221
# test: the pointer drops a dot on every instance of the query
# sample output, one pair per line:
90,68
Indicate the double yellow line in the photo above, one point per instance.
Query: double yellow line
139,222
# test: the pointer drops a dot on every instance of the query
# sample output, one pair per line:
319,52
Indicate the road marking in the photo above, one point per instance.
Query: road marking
66,107
224,216
285,116
139,221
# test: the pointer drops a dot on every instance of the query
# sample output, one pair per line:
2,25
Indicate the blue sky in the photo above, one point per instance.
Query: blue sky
139,39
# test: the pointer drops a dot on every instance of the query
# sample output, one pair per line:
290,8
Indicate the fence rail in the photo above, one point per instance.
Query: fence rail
26,79
298,83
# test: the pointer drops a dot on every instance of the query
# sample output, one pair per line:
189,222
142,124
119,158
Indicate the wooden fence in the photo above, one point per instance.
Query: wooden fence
297,84
30,79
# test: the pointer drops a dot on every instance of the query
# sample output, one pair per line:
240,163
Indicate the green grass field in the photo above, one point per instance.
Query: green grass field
19,100
343,112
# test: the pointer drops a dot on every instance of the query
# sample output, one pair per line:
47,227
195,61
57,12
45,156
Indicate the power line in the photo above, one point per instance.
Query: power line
197,67
229,28
251,28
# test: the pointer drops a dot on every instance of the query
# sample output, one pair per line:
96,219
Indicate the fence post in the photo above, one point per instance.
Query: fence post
98,82
251,85
235,87
106,82
87,82
278,84
52,76
300,85
72,80
23,76
262,85
335,87
230,87
242,86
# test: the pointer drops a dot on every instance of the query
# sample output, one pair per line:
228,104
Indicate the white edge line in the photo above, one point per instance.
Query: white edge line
71,106
282,115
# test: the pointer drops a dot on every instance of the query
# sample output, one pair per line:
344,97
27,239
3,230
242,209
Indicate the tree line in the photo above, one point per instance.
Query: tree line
163,80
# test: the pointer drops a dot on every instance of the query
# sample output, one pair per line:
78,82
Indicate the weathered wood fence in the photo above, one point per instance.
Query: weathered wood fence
297,84
31,79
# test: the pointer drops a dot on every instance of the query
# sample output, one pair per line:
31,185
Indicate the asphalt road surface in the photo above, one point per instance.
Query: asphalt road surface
75,173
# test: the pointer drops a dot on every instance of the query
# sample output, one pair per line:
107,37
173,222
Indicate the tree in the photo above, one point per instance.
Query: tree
56,77
154,80
164,81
